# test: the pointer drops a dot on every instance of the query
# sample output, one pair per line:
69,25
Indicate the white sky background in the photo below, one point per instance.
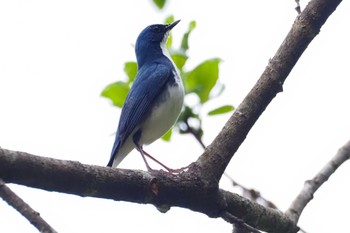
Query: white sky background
57,56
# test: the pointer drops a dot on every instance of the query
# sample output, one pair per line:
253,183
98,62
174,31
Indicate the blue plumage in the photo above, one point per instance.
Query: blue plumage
155,99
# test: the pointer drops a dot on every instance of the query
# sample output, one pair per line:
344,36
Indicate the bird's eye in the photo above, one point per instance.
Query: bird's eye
156,28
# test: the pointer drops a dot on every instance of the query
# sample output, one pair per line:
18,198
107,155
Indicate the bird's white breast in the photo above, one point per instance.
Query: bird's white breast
164,115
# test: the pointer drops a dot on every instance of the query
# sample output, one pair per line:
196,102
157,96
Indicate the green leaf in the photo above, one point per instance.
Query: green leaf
116,92
179,59
184,42
159,3
202,78
167,136
169,19
130,68
221,110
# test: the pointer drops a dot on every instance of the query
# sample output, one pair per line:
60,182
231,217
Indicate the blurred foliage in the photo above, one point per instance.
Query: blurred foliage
202,79
221,110
199,81
159,3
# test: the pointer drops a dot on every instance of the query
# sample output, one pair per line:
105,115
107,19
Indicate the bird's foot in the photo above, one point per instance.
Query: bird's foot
176,171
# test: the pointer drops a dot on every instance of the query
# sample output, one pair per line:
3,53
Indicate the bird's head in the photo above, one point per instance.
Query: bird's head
151,41
156,33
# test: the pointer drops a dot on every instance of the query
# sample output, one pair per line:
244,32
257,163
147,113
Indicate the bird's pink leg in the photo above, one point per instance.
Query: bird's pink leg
171,170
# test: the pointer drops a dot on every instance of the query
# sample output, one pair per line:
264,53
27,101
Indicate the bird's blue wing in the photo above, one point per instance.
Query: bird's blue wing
149,83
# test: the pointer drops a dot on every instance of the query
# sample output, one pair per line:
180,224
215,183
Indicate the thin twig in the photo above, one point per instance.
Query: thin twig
196,133
311,186
252,194
31,215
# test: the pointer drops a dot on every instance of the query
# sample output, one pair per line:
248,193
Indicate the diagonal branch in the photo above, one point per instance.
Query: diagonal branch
311,186
16,202
306,26
187,190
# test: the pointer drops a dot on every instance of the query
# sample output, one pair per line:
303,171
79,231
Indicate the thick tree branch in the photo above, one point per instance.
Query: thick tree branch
311,186
16,202
187,189
307,25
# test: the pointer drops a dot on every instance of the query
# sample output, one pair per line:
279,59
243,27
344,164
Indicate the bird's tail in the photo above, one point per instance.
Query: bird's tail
114,153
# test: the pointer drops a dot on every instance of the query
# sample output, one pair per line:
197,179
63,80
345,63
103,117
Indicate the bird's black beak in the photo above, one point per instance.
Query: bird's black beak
170,26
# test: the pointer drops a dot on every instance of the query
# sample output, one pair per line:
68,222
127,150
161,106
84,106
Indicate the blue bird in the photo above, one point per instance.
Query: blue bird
155,99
